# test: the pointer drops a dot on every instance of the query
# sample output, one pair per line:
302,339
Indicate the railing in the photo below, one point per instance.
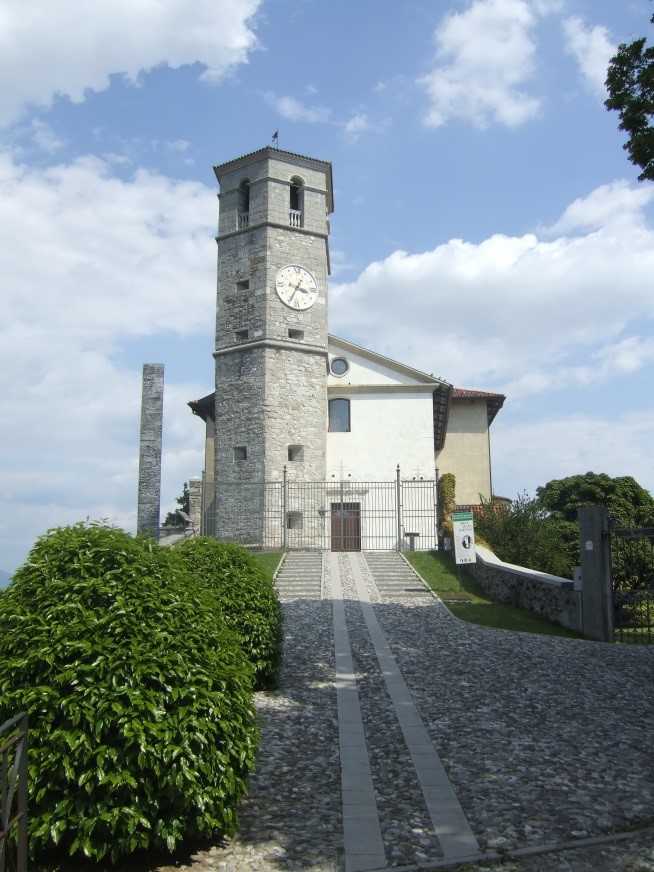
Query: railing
632,570
337,515
294,219
13,774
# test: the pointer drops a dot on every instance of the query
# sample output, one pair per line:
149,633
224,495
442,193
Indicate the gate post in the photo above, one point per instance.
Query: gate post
596,588
398,508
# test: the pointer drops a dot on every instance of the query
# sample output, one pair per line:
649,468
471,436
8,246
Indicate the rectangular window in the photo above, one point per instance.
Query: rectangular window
240,453
243,286
241,335
339,416
295,334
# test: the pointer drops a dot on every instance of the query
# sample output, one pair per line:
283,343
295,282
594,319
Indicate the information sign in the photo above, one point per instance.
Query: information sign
464,537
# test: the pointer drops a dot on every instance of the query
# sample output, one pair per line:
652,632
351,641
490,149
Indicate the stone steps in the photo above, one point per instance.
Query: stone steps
300,576
394,577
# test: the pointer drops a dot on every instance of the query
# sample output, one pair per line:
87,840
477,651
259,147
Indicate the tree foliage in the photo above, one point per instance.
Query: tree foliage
184,502
630,83
247,598
542,533
627,503
142,726
523,534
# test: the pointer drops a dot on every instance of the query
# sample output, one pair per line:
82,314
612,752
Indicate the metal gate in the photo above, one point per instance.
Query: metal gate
345,515
632,572
13,785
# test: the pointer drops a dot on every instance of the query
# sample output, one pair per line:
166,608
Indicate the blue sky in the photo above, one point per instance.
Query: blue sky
488,227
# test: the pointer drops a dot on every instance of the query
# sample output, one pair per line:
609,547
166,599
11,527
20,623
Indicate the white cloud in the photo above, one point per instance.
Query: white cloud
485,55
360,124
96,258
548,309
69,47
527,455
294,110
610,361
616,205
89,264
592,49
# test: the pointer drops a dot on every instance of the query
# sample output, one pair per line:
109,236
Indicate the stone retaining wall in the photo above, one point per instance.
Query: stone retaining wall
547,595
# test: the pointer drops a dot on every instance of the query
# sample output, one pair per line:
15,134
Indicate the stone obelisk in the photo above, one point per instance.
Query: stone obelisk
149,499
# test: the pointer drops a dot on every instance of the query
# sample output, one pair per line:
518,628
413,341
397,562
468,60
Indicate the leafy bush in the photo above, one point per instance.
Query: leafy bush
446,505
247,598
142,724
522,533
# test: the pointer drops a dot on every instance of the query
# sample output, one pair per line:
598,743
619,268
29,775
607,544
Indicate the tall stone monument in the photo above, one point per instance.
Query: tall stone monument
149,499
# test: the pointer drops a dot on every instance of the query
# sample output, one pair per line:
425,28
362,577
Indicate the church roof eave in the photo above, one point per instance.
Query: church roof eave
494,402
442,402
205,407
416,374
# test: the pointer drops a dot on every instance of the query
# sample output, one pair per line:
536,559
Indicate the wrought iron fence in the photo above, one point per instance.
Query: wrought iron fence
13,783
345,515
632,570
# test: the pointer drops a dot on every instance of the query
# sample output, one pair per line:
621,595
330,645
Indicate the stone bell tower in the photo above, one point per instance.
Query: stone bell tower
271,326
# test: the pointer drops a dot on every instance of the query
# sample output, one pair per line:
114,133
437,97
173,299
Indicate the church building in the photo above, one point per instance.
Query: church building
313,441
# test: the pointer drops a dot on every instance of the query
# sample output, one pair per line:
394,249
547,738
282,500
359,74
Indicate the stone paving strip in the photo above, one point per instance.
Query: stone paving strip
546,742
451,826
363,844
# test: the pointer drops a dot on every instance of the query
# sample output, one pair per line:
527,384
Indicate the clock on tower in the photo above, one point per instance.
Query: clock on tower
271,327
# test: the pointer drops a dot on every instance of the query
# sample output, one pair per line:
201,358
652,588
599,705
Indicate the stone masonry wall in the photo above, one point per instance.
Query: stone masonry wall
149,491
546,595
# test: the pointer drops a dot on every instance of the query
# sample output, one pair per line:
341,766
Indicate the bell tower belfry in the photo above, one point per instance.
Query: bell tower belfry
271,322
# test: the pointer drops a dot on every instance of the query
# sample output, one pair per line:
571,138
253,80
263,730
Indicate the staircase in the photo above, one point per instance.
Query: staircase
394,578
300,576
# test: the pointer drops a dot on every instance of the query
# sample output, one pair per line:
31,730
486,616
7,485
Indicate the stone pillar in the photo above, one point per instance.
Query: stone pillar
596,590
149,500
195,504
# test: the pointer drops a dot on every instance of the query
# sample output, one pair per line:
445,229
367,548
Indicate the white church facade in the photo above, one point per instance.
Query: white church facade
313,441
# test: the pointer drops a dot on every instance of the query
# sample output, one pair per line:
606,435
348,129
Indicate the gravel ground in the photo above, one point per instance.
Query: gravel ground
544,740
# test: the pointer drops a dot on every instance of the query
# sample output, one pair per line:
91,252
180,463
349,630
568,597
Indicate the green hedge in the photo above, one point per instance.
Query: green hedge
247,598
142,726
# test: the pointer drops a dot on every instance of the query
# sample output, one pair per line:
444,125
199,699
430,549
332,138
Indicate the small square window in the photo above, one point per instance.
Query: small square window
240,453
243,286
294,520
241,335
295,334
296,453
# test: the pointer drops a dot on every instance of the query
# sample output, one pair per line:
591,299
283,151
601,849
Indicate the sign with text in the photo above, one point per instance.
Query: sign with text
464,537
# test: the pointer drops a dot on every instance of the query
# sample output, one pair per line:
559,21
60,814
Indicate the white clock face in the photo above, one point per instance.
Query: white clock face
296,287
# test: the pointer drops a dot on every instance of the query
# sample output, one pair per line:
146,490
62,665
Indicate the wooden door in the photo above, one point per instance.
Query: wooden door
346,526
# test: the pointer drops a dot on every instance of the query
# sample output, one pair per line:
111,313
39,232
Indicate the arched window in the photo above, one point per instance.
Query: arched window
296,201
244,204
339,416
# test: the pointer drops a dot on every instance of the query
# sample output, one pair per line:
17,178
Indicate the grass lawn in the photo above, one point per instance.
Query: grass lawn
466,599
269,561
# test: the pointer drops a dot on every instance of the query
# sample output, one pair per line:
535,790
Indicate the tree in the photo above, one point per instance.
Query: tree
630,83
543,533
172,518
524,534
627,503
